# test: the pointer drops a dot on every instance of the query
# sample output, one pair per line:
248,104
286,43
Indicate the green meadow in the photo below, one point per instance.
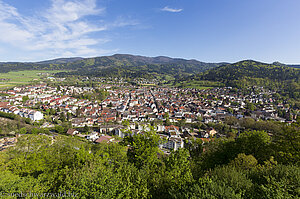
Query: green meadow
15,78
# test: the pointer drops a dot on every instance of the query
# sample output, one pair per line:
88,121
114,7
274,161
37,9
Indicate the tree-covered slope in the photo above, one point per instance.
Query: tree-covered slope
250,69
61,60
120,65
253,165
136,66
283,79
124,65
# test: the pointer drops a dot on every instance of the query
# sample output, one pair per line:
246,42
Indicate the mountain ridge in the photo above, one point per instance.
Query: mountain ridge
251,69
126,65
155,59
122,65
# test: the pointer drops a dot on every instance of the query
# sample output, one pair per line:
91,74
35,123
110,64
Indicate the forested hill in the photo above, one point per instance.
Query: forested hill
126,60
249,69
244,74
61,60
289,65
125,65
116,65
136,66
294,66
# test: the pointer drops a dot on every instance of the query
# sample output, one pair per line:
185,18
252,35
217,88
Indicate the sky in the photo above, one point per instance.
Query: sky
206,30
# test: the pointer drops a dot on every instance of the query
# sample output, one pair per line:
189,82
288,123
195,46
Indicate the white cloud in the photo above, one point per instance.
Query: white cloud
121,22
68,11
168,9
13,34
61,30
7,11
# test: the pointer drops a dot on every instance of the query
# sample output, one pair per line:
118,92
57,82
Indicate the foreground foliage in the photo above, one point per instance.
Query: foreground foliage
251,166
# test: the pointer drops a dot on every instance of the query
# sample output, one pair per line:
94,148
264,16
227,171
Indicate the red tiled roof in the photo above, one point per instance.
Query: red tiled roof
103,139
171,127
4,104
206,139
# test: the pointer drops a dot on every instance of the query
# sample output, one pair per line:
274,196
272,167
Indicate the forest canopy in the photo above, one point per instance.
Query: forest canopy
254,165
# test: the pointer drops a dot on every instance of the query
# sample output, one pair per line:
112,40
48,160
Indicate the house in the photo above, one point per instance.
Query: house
106,129
173,143
81,135
36,115
172,130
78,122
119,132
4,104
160,128
72,132
92,136
211,132
104,139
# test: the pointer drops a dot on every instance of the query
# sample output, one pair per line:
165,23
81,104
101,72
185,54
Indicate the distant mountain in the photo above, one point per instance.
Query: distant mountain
115,65
250,69
294,66
248,73
60,60
136,66
125,65
288,65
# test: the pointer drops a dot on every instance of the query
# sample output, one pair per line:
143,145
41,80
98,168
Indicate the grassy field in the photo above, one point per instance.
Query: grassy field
196,84
147,84
23,77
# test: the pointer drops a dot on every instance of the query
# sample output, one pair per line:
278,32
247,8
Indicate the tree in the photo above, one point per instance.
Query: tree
62,117
244,161
199,118
86,129
256,143
59,129
281,181
69,116
78,112
178,168
231,120
175,174
250,106
181,122
47,111
25,98
13,183
52,111
35,131
230,110
125,123
143,148
218,152
167,122
287,144
166,115
27,155
28,121
195,147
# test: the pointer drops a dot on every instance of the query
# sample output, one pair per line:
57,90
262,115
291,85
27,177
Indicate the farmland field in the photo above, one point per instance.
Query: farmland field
23,77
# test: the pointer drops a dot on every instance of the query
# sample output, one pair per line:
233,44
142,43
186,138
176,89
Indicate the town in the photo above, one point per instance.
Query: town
174,113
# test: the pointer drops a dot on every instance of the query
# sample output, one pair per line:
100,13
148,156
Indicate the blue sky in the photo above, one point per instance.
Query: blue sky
206,30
